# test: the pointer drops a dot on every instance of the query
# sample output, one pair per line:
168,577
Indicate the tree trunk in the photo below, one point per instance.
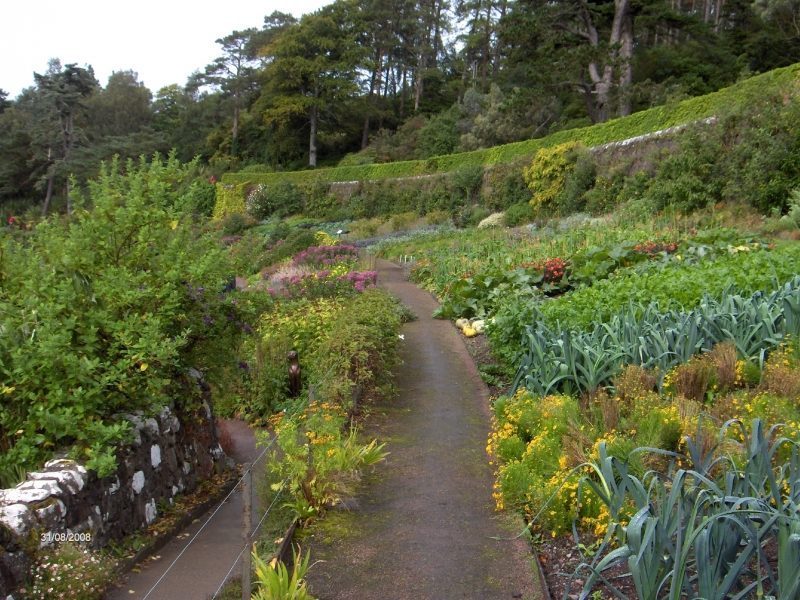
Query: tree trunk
48,196
437,34
486,51
625,66
718,16
312,138
496,54
374,80
403,92
603,83
235,128
418,81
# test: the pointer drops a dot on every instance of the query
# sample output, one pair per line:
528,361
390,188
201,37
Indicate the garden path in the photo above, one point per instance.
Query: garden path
424,524
201,569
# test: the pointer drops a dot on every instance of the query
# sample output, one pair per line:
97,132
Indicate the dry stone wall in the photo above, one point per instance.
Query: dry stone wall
168,456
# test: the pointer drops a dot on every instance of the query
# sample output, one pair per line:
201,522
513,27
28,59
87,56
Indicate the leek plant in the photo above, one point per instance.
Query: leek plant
702,531
569,360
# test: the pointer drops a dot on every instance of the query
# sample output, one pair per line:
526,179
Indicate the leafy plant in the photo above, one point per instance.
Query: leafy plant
104,314
547,173
317,461
275,582
702,531
566,359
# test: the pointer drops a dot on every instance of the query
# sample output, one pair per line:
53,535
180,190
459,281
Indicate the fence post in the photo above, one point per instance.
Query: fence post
247,526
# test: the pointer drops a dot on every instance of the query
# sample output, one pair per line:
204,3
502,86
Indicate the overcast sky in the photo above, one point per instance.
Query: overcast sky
162,40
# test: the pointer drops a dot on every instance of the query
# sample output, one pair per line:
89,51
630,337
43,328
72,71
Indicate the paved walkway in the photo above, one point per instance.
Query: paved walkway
200,570
424,522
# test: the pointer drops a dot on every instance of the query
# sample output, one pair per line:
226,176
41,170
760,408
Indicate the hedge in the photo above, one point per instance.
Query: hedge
643,122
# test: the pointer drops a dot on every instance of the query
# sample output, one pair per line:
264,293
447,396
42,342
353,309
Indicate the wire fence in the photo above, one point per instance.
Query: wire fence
300,407
236,486
249,542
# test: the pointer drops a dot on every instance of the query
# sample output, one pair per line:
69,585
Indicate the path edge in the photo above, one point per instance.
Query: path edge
539,580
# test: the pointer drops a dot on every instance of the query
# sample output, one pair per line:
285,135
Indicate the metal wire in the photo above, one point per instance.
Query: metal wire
199,531
238,556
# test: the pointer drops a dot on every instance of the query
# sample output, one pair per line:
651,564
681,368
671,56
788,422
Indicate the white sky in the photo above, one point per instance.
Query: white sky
164,41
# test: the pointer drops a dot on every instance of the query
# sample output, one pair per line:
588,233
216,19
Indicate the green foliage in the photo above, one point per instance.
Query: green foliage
295,241
358,350
438,136
519,214
275,582
547,174
576,183
467,180
230,200
527,443
576,361
279,200
317,459
199,199
504,186
676,286
793,214
696,531
729,99
234,224
477,296
103,314
470,216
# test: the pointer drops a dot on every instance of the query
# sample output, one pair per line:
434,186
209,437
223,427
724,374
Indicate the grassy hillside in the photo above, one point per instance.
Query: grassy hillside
647,121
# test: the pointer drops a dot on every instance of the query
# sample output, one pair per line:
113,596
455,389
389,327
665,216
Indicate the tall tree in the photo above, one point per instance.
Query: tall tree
121,108
62,92
313,66
233,73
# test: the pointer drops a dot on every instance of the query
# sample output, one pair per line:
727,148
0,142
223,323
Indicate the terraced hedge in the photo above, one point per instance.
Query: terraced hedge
640,123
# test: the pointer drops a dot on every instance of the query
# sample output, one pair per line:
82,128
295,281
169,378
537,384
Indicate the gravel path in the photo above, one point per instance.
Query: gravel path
424,521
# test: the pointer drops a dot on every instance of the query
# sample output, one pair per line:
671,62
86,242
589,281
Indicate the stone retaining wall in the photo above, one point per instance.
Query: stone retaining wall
167,457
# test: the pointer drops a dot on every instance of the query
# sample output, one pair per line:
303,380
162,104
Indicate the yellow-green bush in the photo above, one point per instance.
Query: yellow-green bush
547,173
230,200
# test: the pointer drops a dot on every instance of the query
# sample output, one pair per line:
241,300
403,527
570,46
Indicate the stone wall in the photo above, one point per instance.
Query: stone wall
168,456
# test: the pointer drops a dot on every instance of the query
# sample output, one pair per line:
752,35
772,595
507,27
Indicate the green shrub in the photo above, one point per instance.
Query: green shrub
504,186
234,224
318,201
358,350
403,221
230,200
470,216
467,181
104,313
519,214
199,199
296,241
793,214
279,200
577,183
546,176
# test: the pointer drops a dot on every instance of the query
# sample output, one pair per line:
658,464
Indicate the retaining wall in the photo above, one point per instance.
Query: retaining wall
168,456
